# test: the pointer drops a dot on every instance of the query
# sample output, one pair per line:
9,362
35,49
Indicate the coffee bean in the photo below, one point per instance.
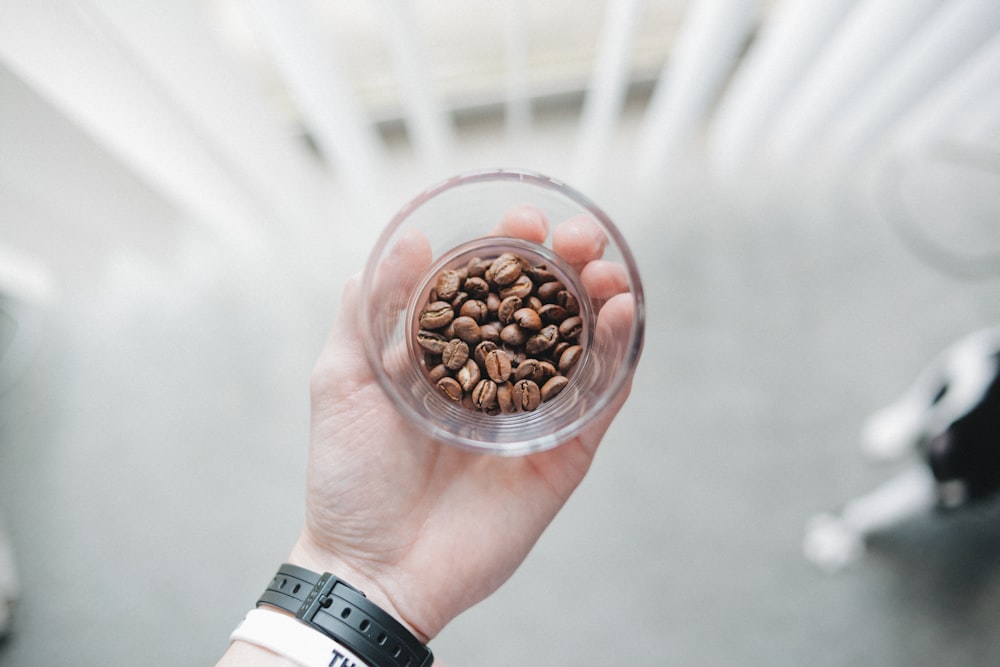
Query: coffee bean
505,269
436,315
476,268
534,303
438,372
540,274
447,285
528,319
507,308
552,313
521,287
490,331
477,288
547,369
543,340
481,350
571,327
430,341
513,335
455,354
498,365
552,387
547,291
468,375
459,299
450,388
485,394
532,369
570,356
467,329
475,309
492,303
505,397
569,302
526,394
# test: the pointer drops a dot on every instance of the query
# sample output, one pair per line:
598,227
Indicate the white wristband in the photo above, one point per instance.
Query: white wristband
294,640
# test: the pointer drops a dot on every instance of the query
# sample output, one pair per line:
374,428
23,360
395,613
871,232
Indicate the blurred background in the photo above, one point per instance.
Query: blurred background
810,189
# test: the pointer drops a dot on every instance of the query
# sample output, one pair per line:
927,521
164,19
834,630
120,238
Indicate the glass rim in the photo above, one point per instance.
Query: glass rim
398,394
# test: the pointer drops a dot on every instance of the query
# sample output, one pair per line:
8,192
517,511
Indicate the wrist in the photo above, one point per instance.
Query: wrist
306,553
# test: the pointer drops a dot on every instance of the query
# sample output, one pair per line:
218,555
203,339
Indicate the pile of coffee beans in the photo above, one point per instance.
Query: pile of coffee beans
500,334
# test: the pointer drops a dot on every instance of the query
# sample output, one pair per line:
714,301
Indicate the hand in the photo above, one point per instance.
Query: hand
425,529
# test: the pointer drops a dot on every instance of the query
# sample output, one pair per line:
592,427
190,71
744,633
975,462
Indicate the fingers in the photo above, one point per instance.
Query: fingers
603,279
405,262
614,322
524,222
579,240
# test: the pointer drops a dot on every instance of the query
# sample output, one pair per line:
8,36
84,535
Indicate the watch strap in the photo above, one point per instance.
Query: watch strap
343,613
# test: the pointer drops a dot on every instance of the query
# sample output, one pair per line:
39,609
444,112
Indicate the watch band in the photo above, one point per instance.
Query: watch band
343,613
293,640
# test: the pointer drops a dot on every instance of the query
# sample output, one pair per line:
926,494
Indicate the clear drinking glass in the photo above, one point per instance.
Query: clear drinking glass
458,219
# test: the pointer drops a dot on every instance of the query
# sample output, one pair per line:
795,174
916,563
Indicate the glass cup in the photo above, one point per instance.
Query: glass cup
462,218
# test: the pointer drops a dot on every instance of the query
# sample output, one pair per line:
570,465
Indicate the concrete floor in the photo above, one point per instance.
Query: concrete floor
152,457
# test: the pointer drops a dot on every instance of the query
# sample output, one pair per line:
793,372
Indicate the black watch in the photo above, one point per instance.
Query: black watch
344,614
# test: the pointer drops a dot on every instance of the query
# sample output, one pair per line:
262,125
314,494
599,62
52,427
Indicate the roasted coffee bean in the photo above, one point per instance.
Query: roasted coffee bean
448,284
521,287
526,394
485,394
477,288
430,341
559,348
475,309
552,387
541,274
438,372
476,268
569,302
455,354
571,327
505,269
528,319
531,369
490,331
569,357
513,335
468,376
505,397
533,302
498,365
507,308
459,299
492,303
552,313
436,315
449,387
481,350
547,291
543,340
467,329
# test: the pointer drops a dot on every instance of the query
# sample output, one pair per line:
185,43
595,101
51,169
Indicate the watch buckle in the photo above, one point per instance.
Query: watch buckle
318,598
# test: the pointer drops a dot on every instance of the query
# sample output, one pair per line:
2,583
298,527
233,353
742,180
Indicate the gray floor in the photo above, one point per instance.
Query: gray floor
152,460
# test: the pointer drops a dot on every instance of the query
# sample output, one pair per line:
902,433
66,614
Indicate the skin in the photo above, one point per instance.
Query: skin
425,529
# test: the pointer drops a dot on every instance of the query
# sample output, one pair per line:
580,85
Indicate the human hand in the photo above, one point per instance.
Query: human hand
425,529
